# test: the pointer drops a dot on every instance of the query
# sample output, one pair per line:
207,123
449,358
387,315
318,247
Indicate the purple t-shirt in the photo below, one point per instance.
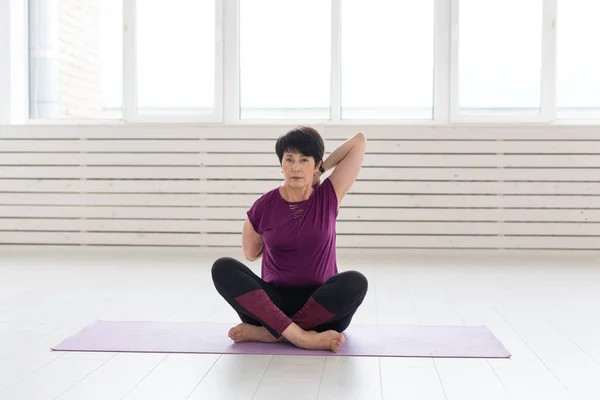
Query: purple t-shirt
299,237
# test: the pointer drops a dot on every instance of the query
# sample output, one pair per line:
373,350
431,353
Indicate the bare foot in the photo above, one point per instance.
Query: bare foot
329,340
250,333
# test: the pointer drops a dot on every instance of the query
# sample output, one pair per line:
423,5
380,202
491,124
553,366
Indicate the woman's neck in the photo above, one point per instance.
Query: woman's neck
295,194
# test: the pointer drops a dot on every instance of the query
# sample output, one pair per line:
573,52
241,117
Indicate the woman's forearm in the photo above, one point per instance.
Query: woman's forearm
252,242
255,252
342,151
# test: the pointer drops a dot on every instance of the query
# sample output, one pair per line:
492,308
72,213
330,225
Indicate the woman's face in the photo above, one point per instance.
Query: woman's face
298,169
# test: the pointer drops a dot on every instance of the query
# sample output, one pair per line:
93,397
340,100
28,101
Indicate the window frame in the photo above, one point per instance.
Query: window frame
576,115
548,73
14,57
227,75
130,104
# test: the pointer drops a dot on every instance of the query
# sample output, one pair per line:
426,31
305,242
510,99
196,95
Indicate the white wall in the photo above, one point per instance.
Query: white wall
500,187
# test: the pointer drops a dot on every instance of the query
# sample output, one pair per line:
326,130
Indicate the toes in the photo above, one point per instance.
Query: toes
235,333
335,345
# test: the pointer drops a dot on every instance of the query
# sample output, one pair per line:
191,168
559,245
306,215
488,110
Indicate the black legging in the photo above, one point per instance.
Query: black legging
318,308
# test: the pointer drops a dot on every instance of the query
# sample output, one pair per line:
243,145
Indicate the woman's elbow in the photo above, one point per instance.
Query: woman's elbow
252,258
360,142
251,254
247,253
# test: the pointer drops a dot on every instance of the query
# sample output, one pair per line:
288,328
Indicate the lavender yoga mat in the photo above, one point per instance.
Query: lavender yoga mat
203,337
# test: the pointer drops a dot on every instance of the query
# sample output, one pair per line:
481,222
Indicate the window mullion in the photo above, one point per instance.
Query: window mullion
231,61
548,83
129,61
442,63
336,60
453,73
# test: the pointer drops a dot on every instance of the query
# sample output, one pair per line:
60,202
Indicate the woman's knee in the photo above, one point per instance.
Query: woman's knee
223,268
355,283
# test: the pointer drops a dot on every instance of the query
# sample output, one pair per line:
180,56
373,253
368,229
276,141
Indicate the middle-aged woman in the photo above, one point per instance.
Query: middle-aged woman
300,296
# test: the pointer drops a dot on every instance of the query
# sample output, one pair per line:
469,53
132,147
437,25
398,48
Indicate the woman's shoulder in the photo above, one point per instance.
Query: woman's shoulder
267,197
325,186
259,206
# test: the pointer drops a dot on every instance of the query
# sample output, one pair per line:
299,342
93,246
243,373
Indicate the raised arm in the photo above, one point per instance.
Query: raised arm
252,242
347,159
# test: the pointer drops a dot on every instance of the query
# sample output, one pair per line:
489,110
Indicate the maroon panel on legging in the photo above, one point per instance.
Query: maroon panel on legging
258,303
311,315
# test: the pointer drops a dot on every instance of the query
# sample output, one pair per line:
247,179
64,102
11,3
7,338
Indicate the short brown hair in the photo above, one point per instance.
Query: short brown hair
304,140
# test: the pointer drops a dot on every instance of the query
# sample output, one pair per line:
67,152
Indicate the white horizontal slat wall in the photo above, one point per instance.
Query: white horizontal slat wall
509,187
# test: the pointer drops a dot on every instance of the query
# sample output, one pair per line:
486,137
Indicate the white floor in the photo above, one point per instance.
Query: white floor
545,311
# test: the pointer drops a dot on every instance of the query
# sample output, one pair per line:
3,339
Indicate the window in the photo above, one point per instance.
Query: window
338,61
500,56
578,64
285,59
387,49
175,65
75,63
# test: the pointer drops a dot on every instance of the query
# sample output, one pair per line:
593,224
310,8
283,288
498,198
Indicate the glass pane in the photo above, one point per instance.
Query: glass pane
500,55
578,64
75,59
387,59
285,58
176,56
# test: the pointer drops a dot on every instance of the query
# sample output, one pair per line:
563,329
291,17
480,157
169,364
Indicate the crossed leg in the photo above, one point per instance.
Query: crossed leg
332,306
326,314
